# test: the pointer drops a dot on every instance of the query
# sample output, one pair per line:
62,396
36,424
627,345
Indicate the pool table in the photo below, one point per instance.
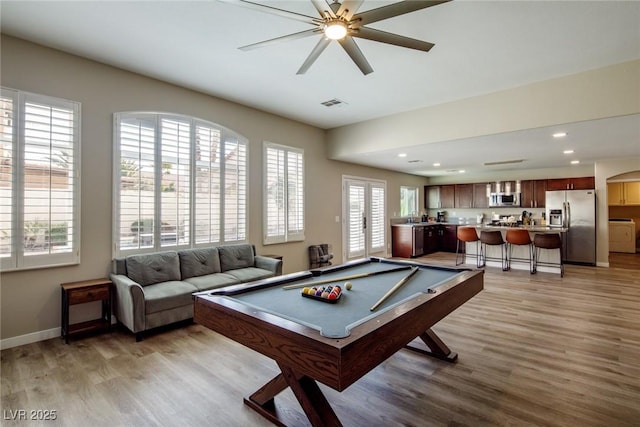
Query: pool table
335,343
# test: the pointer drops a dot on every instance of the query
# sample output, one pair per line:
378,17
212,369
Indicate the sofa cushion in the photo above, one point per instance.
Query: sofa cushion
167,295
199,262
153,268
233,257
212,281
250,274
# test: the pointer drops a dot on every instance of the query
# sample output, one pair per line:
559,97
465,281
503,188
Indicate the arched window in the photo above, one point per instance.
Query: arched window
179,182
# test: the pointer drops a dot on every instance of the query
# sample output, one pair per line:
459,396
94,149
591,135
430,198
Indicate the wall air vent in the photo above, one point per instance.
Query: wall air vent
333,102
414,161
505,162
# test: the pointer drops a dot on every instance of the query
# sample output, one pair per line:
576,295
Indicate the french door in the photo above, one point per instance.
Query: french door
364,214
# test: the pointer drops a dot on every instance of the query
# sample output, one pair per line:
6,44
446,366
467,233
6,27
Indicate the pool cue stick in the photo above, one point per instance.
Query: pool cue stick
340,279
397,286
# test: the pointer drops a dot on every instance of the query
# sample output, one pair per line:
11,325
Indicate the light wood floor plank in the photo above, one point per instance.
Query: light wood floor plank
533,350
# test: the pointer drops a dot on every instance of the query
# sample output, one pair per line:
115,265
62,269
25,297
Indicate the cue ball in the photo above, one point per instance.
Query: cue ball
347,286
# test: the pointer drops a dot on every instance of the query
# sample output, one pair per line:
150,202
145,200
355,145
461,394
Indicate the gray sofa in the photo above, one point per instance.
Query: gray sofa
153,290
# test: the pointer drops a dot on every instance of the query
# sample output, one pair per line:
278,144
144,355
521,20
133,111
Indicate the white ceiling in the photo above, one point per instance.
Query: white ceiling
480,47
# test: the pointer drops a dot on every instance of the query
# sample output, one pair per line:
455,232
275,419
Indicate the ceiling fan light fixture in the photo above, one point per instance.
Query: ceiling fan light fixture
335,29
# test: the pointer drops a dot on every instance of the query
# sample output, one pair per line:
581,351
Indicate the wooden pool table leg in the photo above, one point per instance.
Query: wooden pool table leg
306,390
437,348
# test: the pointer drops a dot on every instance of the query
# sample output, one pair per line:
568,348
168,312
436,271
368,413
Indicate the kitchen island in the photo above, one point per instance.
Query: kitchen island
520,254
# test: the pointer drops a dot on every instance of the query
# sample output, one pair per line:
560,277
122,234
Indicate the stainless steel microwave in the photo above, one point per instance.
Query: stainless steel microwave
504,199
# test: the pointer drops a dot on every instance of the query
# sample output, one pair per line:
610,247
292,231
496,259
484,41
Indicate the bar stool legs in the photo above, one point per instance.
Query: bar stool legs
520,238
467,235
547,241
492,238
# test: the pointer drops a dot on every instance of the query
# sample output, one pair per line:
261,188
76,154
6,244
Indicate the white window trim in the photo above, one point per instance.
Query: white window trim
416,208
157,116
288,236
17,260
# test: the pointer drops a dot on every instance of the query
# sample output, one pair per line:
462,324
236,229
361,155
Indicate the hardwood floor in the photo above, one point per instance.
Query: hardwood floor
622,260
533,350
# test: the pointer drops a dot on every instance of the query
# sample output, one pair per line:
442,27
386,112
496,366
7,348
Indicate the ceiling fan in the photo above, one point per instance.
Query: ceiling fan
340,22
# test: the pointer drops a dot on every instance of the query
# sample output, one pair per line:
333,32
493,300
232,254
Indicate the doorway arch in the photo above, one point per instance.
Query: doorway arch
610,171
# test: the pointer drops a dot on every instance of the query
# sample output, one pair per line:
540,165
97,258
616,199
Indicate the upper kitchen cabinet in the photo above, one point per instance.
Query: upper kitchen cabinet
480,197
439,196
464,195
533,193
623,193
583,183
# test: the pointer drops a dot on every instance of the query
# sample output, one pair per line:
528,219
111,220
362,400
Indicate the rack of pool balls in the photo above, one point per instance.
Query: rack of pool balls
330,294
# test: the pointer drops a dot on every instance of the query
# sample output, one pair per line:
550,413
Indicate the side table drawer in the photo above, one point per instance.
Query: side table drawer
95,293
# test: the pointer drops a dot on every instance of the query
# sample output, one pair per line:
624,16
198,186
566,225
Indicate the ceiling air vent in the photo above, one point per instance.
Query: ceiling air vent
333,102
505,162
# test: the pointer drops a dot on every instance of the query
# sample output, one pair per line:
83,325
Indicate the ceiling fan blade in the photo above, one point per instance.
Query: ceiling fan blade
348,8
315,53
390,38
322,6
288,37
352,49
395,9
273,11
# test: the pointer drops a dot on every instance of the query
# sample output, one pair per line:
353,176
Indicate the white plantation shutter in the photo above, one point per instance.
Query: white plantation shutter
175,187
235,190
364,209
377,215
7,155
283,194
136,183
208,186
40,179
186,175
356,218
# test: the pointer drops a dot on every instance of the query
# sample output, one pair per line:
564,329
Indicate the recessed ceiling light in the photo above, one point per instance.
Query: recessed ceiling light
461,171
436,164
575,162
559,134
568,151
402,155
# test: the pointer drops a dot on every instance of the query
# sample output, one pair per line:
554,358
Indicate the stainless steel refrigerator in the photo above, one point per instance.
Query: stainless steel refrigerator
574,210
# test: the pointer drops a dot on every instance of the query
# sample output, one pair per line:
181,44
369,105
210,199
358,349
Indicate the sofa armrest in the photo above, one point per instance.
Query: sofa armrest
129,303
267,263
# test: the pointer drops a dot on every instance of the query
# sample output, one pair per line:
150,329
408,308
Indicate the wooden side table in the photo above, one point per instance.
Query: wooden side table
82,292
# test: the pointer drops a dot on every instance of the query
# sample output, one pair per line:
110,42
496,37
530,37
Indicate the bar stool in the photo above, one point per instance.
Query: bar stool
492,238
467,235
519,237
547,241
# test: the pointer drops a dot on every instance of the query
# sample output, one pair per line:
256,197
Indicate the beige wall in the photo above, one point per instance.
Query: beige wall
30,300
607,92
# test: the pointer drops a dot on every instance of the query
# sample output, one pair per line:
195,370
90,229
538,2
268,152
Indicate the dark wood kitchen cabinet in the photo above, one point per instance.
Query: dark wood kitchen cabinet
439,196
432,238
407,241
533,193
582,183
480,198
449,238
463,195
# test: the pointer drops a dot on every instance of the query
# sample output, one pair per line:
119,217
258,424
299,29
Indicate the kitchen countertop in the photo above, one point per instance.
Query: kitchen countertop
531,228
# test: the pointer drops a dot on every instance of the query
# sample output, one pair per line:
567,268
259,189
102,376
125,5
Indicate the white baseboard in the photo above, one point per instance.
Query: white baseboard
602,264
29,338
37,336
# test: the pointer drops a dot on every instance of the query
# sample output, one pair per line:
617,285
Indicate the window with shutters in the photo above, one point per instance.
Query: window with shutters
283,194
39,181
181,182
